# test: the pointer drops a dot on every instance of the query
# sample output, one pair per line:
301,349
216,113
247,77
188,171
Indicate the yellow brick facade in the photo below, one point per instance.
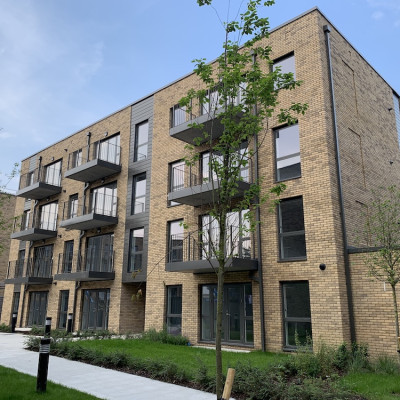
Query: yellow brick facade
367,147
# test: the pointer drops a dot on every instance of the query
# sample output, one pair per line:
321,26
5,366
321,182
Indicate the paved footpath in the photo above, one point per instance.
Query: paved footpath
100,382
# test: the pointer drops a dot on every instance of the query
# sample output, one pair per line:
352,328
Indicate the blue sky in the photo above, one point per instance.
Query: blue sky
65,64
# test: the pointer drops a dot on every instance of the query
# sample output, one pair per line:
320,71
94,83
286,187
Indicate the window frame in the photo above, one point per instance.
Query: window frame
171,248
85,314
286,319
168,314
282,235
137,146
63,309
48,216
135,180
276,132
53,173
133,252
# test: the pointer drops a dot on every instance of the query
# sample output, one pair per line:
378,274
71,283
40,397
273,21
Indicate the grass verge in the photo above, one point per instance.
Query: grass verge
18,386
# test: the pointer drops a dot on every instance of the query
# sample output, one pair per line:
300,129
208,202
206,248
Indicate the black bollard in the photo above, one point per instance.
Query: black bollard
13,322
43,366
47,327
69,323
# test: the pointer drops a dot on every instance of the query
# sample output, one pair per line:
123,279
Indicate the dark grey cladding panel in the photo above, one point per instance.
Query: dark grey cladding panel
141,112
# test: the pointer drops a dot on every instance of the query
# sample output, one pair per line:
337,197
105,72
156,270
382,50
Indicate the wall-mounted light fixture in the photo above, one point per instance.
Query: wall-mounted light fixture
322,267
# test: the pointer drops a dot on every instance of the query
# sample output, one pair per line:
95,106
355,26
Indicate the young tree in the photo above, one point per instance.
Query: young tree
239,94
382,230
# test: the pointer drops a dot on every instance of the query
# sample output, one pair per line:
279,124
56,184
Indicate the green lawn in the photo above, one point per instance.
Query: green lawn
374,386
17,386
186,357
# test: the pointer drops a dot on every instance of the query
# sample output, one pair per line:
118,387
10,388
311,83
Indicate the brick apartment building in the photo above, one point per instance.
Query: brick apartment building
7,211
102,210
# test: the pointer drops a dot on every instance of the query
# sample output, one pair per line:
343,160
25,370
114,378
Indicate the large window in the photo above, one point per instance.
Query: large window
104,200
19,266
37,308
211,103
136,250
48,216
15,302
237,314
291,229
175,242
287,151
286,65
238,241
53,173
67,257
73,206
176,178
42,262
139,194
178,115
95,306
63,309
141,141
174,309
396,101
297,313
100,253
108,149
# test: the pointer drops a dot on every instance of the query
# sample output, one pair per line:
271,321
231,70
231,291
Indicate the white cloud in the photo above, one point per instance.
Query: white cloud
6,135
377,15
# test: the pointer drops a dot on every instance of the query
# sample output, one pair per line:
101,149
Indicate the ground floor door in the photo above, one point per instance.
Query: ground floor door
95,307
237,324
37,308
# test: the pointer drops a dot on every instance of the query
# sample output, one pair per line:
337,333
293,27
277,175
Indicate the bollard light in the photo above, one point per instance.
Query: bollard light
69,323
47,327
14,322
43,365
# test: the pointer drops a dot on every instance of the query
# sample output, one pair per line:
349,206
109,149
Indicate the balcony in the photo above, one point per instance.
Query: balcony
33,227
96,266
195,190
100,211
94,162
184,126
37,271
41,183
193,252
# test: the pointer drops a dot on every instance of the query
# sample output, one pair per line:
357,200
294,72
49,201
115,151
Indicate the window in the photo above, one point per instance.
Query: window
75,159
178,115
26,220
237,324
286,64
291,229
208,107
297,313
176,178
141,141
19,267
95,307
73,206
63,309
37,308
396,101
287,152
139,194
108,150
100,253
175,242
104,200
53,173
174,309
136,250
68,255
42,262
48,216
237,235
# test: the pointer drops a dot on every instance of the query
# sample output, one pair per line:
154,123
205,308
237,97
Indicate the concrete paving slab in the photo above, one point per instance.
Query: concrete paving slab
100,382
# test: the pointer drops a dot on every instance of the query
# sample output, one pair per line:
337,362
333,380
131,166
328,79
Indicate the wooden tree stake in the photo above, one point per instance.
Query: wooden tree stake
228,384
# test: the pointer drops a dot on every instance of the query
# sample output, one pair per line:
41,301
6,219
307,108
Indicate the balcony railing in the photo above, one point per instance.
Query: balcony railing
188,187
16,269
40,268
94,211
40,183
95,161
95,265
37,226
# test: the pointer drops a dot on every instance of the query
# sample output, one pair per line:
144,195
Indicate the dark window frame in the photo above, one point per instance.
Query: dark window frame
137,146
133,252
283,235
170,247
169,315
85,314
63,309
135,180
32,317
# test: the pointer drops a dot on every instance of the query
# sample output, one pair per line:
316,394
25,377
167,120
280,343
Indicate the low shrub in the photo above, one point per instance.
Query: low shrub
5,328
164,337
386,365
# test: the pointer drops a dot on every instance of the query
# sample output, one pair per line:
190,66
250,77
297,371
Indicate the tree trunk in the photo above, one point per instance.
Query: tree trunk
396,317
218,333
